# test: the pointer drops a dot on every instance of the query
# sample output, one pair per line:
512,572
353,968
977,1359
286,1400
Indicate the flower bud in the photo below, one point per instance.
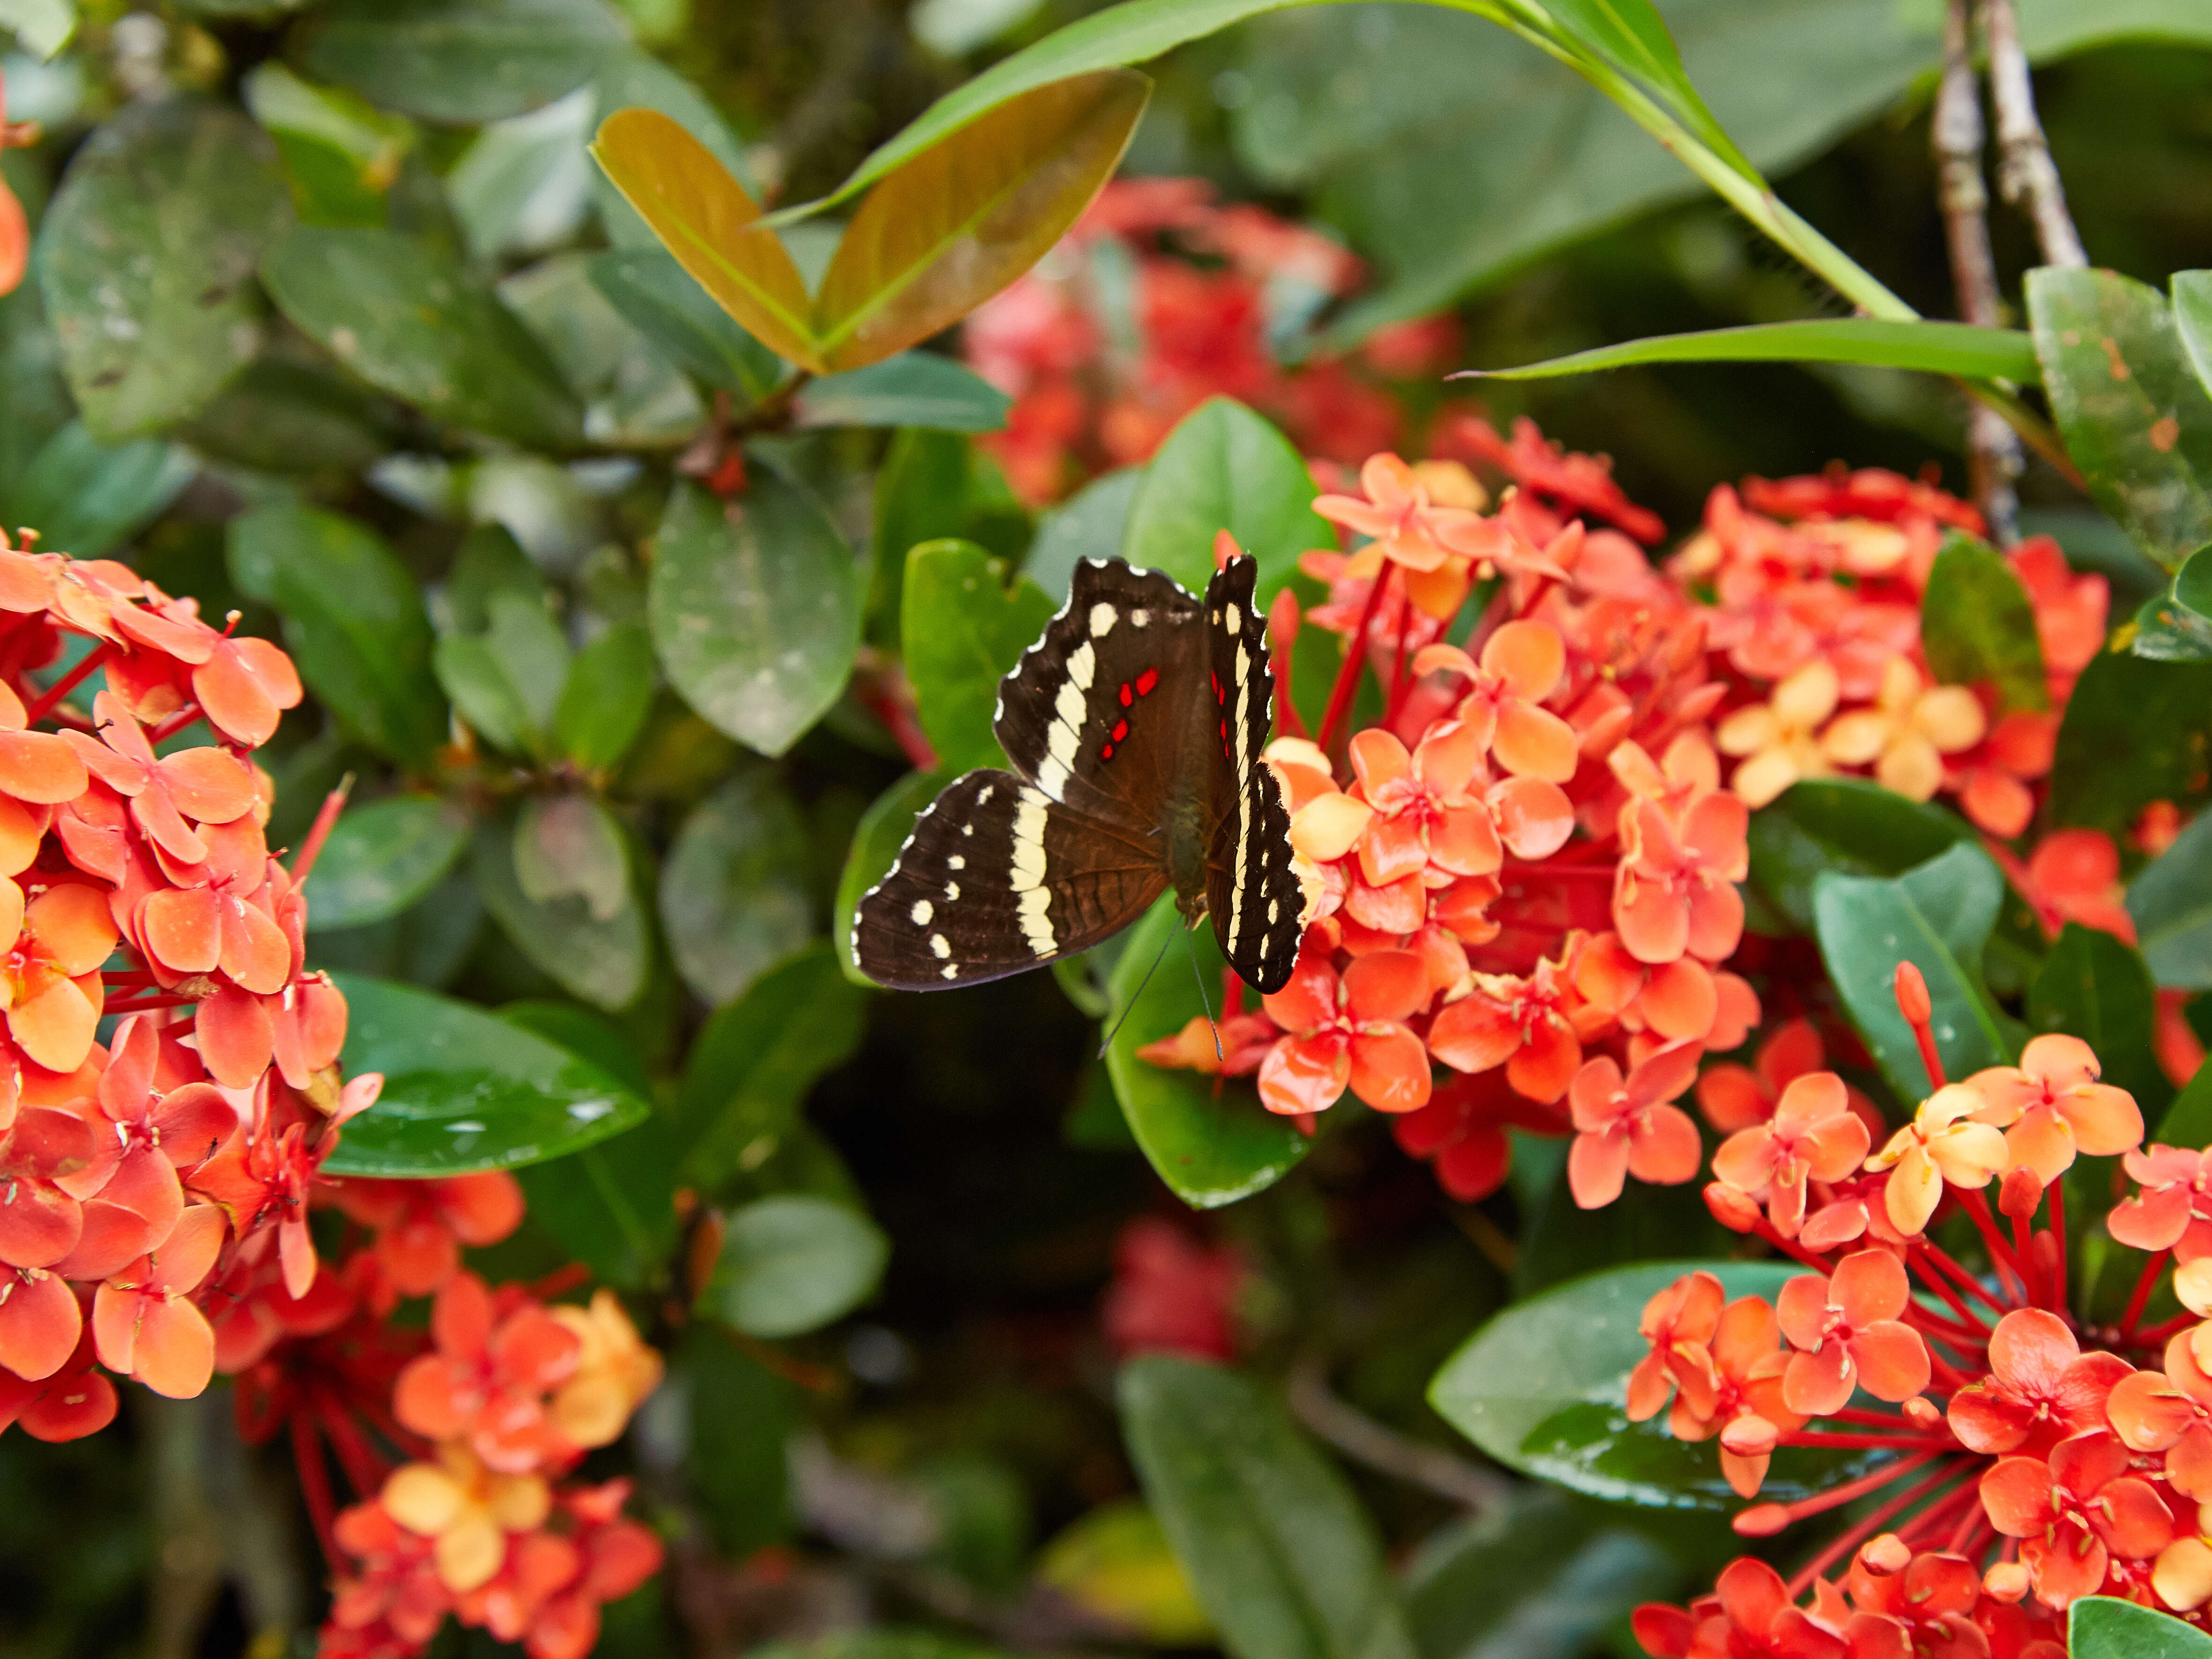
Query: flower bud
1734,1210
1912,995
1923,1412
2005,1582
1885,1555
1761,1521
2021,1194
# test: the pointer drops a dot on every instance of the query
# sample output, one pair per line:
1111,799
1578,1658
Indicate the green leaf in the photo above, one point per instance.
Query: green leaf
601,961
353,621
736,897
2192,320
712,225
2095,988
413,323
341,156
2188,1120
1630,33
1537,1576
963,631
382,858
1279,1549
605,698
637,77
90,499
2135,417
460,60
42,27
1091,524
1542,1388
1211,1149
2192,583
913,389
660,299
506,681
2105,1627
1937,916
1115,1561
568,846
1977,624
1224,468
944,232
146,260
933,485
742,1416
755,1060
792,1264
1562,1240
755,609
2135,731
633,396
2170,900
883,829
462,1090
1976,354
1849,825
612,1204
284,417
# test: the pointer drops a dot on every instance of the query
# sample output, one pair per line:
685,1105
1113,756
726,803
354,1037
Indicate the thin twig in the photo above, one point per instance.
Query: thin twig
1993,450
1386,1452
2026,173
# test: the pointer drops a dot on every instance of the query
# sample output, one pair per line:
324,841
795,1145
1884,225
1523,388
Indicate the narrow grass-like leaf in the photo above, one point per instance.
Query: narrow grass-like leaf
1960,348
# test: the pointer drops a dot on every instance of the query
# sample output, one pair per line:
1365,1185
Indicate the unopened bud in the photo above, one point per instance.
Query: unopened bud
1761,1521
1912,995
1750,1436
1732,1208
2022,1195
1885,1555
1923,1412
2006,1581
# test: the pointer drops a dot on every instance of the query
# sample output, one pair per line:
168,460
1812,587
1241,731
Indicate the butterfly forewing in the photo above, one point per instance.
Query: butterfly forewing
997,879
1091,714
1252,893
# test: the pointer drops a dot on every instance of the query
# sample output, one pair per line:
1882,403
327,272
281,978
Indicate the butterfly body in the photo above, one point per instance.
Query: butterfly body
1134,727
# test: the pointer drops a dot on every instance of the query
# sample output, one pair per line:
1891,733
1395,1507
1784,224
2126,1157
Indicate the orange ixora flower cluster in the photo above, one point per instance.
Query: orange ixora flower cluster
1523,872
2025,1458
155,1190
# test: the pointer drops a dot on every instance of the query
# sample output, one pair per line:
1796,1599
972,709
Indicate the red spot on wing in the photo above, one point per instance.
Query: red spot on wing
1126,698
1146,681
1121,730
1106,753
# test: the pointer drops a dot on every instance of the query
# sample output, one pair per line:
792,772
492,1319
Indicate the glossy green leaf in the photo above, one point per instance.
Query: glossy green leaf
710,223
2106,1627
1210,1148
1938,916
1224,468
465,1090
963,629
341,155
661,299
736,895
2192,320
147,256
944,232
2192,583
792,1264
2188,1120
2096,987
605,698
460,60
932,485
2164,630
742,1415
601,961
1560,1240
1977,354
612,1204
2135,731
1532,1578
413,323
88,498
756,608
913,389
353,621
568,846
1282,1556
381,859
507,680
279,416
1849,825
633,396
1633,36
755,1059
42,27
2170,900
1976,624
883,829
1091,524
2137,420
1542,1388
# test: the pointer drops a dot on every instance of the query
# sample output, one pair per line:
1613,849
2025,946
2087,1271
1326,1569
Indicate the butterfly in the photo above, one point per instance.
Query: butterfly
1135,728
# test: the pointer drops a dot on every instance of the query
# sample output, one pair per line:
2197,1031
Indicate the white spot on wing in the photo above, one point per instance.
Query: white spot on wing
1030,813
1231,617
956,862
1102,620
922,912
953,894
1139,618
952,970
938,947
1082,664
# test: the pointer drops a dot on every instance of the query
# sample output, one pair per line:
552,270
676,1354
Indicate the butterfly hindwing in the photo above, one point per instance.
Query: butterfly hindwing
997,879
1252,893
1088,714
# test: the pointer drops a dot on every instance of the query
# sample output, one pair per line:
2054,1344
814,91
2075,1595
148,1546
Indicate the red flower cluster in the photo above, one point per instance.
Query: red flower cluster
1161,298
1172,1294
155,1191
2024,1471
1523,877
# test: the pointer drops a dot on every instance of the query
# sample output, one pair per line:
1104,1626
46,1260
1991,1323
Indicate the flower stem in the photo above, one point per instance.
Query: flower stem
1355,654
1849,1540
68,683
2141,1299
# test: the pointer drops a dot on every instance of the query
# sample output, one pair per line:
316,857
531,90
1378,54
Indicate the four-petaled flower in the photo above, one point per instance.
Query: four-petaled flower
1347,1030
1948,1140
2041,1387
1849,1335
1626,1126
2073,1511
2055,1107
1813,1136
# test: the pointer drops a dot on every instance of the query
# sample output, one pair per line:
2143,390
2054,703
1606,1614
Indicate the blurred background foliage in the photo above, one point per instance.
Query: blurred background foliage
428,449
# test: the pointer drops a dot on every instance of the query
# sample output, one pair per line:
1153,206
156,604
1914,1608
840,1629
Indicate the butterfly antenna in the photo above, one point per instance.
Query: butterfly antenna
1205,1001
1134,1000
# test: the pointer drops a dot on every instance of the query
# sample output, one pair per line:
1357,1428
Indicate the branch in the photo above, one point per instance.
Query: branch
2024,169
1363,1440
1993,450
